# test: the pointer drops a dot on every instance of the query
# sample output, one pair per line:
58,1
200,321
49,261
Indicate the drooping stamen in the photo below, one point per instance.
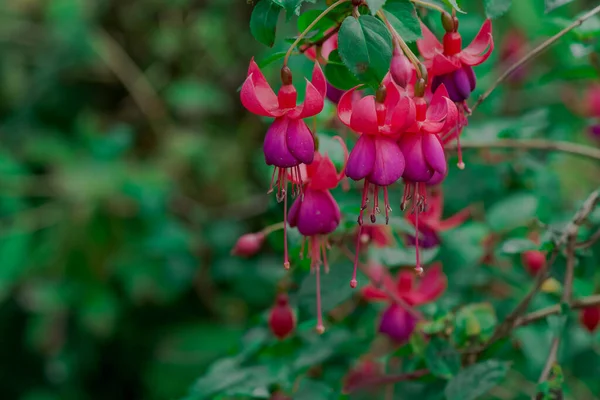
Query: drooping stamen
375,209
286,261
386,201
272,180
280,184
353,281
324,250
420,199
365,200
406,196
320,327
461,164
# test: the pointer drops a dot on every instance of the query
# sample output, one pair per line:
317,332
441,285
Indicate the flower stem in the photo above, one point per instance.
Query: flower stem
309,27
272,228
428,5
411,56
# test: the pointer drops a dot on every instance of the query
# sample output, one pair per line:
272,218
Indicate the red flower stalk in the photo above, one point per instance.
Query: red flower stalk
288,142
590,318
249,244
397,322
376,157
431,222
282,320
316,214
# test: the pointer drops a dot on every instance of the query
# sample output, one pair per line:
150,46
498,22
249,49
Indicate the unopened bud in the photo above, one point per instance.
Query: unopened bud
286,75
401,69
533,261
381,94
590,318
282,320
447,22
248,244
420,86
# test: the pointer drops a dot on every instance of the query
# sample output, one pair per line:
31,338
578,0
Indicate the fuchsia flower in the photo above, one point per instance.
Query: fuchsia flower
288,142
397,322
431,223
449,63
249,244
316,214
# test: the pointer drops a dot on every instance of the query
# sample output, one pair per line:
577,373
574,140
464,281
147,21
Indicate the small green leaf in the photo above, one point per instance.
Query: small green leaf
552,4
454,5
474,320
375,5
263,21
476,380
518,246
337,74
496,8
441,358
403,17
365,47
438,325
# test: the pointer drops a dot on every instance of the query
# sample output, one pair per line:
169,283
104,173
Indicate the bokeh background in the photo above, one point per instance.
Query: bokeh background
128,169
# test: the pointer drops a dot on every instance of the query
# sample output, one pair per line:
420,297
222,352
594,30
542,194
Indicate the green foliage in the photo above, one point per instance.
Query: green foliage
264,21
476,380
496,8
403,17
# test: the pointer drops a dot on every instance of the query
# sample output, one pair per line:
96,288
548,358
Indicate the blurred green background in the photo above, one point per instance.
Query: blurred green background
128,169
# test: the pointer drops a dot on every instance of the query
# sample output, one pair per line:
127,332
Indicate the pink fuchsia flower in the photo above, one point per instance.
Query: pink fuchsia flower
431,222
449,63
316,214
397,322
590,318
288,142
282,320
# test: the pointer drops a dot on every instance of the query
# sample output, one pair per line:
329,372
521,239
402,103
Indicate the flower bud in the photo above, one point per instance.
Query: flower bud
397,323
590,318
286,75
281,319
401,69
533,261
248,244
448,22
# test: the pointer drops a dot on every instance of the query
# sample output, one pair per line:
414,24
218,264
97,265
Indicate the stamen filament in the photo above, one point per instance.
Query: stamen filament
286,261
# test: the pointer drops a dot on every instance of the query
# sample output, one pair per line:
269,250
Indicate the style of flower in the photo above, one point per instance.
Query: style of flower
431,222
288,142
316,214
398,322
376,157
449,63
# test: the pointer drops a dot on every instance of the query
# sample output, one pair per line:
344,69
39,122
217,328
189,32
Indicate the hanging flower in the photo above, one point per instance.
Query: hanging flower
449,63
397,322
316,214
288,142
590,318
376,157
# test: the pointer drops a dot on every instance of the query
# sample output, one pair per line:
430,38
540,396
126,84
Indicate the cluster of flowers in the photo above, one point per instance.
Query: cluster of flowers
402,129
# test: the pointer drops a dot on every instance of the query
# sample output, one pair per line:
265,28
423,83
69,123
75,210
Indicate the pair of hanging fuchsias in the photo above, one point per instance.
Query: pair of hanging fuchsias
401,131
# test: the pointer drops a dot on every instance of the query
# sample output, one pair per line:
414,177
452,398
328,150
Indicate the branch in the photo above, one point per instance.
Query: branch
589,242
556,309
530,144
386,380
534,53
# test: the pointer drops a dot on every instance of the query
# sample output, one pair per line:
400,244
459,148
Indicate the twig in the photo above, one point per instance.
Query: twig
386,379
589,242
534,53
322,40
530,144
131,76
570,231
556,309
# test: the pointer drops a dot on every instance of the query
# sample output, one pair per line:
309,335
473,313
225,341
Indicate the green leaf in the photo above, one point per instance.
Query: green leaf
512,212
474,320
454,5
375,5
313,390
496,8
365,47
552,4
476,380
291,6
441,358
271,59
517,246
438,325
403,17
337,74
263,22
335,288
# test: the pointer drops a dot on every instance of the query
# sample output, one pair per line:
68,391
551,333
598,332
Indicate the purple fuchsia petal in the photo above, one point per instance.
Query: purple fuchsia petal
334,94
364,116
397,323
318,214
300,141
471,76
434,153
362,158
595,131
275,146
389,162
480,48
292,217
416,169
437,178
463,84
